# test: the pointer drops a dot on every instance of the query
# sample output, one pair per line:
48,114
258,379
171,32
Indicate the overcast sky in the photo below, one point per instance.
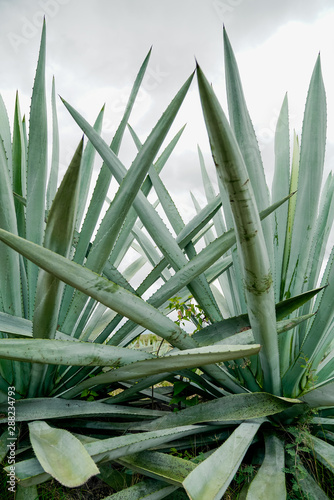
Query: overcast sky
95,48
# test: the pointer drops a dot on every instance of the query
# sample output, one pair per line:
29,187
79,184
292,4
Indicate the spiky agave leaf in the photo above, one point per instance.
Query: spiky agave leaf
258,283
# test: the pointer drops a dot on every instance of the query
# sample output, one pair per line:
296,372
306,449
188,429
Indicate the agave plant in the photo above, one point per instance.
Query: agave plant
69,315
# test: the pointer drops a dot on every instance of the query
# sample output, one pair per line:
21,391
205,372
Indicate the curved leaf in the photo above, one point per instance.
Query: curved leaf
212,477
61,454
172,361
236,407
269,481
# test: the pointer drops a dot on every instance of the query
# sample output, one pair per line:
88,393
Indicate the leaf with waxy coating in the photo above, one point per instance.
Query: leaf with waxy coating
61,454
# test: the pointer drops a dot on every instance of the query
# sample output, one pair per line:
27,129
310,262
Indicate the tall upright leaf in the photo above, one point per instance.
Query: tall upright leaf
19,167
119,208
309,183
37,167
10,285
5,135
102,186
244,132
53,177
259,290
280,189
58,238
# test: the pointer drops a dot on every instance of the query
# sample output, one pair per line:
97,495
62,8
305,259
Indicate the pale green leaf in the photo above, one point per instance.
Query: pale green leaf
281,188
47,408
61,454
53,177
235,407
102,186
172,361
309,184
269,481
258,284
159,466
145,490
212,477
243,129
36,168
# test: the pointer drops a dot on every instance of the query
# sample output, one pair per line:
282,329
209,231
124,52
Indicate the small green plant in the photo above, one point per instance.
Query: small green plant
187,311
179,397
89,395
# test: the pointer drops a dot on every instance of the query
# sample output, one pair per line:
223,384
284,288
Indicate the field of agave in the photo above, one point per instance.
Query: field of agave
257,375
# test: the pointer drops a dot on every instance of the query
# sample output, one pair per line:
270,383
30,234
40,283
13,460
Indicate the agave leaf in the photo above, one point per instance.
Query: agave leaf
166,202
23,327
53,177
36,168
319,244
221,330
322,395
323,228
286,307
3,444
47,408
150,218
226,281
237,331
172,361
5,136
310,179
138,387
205,296
280,188
58,238
149,250
87,170
207,257
19,167
61,352
235,407
106,292
197,265
148,490
113,220
212,477
10,288
29,493
305,481
203,261
29,471
291,210
197,223
244,132
113,448
61,454
124,239
316,342
270,478
101,187
259,291
322,450
159,466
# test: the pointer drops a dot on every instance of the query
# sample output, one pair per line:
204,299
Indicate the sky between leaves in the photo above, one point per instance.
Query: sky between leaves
95,48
